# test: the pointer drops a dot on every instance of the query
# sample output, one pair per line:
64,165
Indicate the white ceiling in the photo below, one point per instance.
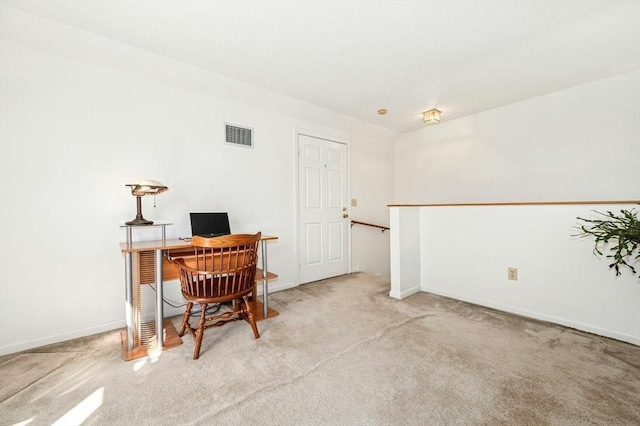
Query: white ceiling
356,57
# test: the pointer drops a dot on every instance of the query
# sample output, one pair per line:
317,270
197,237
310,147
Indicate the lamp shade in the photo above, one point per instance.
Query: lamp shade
146,187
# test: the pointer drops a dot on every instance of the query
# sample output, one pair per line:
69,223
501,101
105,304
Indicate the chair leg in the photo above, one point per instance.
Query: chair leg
254,292
200,331
250,318
185,319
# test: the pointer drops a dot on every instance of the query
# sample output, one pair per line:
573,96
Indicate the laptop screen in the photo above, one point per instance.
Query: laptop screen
210,224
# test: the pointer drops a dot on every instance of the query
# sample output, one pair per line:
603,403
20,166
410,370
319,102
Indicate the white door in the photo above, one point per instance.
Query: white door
323,209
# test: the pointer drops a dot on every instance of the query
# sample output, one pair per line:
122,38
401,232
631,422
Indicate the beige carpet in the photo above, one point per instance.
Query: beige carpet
341,352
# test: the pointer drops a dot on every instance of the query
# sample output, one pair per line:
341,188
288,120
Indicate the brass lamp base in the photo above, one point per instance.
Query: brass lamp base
139,220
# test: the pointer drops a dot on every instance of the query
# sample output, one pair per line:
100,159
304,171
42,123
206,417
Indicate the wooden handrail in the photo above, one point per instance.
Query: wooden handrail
523,203
357,222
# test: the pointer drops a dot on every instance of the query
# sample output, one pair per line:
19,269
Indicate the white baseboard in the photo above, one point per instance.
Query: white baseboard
275,287
169,311
403,294
635,340
62,337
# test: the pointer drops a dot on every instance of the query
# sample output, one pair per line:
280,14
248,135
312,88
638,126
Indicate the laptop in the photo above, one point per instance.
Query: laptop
210,224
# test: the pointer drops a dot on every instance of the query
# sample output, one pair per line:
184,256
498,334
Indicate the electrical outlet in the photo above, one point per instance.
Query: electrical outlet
512,274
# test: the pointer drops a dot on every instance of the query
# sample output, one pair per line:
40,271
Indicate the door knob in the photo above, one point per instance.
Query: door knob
345,215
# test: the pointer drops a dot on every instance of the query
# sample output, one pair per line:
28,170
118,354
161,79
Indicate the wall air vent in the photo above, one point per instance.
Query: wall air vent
239,136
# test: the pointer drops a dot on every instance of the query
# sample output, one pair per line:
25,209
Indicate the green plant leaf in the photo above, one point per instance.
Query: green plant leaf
622,231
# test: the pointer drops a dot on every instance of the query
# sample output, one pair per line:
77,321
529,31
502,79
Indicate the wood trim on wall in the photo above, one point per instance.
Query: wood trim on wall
521,203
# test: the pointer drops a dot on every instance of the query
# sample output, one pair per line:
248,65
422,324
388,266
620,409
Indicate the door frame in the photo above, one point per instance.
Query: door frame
296,192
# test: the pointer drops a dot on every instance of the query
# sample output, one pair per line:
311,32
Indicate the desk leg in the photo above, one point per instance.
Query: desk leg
159,305
265,286
128,297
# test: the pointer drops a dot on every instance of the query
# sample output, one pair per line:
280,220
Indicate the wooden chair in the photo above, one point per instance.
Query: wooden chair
221,270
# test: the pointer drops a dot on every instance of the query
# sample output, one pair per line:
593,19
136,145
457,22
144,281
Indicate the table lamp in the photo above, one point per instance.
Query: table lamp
139,190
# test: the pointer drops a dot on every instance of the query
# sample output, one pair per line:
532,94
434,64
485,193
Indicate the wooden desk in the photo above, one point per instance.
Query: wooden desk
153,266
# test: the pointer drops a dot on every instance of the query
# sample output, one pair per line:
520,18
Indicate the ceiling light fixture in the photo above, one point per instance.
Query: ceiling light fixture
431,117
382,111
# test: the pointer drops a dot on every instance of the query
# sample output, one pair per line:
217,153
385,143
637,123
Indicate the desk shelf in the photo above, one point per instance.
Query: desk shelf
258,310
170,340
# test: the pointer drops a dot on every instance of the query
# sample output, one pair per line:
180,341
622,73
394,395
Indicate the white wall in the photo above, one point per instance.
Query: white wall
406,259
578,144
82,116
559,277
372,178
581,143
